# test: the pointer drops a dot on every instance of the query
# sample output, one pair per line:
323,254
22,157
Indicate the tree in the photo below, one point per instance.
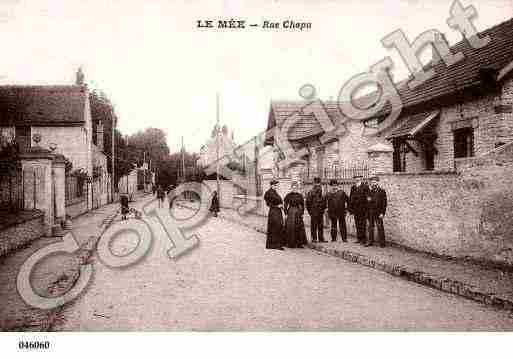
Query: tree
153,141
102,111
170,170
125,158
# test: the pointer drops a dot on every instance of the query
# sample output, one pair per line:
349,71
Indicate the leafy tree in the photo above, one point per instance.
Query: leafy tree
9,153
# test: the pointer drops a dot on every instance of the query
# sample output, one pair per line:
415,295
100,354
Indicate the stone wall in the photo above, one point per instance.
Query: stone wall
226,192
28,227
71,142
464,214
492,126
76,209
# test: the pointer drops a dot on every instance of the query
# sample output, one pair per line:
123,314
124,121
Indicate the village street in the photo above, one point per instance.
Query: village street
231,282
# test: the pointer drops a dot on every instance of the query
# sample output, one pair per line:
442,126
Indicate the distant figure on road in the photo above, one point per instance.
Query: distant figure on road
153,189
275,218
359,208
125,209
337,204
316,205
214,205
160,195
294,206
377,202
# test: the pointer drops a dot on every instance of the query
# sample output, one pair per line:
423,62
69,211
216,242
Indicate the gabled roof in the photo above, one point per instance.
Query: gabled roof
496,55
42,105
307,125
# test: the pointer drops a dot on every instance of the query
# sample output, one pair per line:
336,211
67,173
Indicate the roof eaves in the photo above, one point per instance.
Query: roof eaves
424,123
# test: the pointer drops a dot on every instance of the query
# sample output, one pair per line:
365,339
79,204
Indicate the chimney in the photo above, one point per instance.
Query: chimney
439,40
79,77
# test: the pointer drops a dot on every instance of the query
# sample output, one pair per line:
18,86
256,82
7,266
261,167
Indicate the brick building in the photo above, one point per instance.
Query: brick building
447,160
463,111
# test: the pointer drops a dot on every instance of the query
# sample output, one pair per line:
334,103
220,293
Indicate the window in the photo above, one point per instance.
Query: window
400,150
464,142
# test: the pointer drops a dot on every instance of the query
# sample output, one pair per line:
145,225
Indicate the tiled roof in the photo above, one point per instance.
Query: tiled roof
307,125
497,54
413,123
42,105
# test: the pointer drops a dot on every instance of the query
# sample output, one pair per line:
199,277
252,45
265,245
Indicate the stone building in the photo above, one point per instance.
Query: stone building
447,160
59,118
219,145
322,157
463,111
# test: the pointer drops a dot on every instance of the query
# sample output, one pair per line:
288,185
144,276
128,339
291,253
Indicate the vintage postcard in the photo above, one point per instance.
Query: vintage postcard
255,166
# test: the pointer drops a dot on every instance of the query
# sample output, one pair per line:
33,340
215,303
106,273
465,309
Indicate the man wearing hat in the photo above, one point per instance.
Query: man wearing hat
358,206
337,201
316,205
377,201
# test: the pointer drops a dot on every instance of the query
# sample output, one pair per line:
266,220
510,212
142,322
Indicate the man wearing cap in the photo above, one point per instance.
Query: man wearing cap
358,206
377,201
316,205
337,201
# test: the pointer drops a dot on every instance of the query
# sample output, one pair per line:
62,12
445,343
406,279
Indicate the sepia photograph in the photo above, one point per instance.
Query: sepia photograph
269,171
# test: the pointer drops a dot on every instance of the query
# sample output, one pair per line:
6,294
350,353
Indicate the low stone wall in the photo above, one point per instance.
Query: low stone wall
251,204
76,209
466,214
227,191
28,226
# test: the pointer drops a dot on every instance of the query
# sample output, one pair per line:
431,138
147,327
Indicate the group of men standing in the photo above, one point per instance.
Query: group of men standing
366,202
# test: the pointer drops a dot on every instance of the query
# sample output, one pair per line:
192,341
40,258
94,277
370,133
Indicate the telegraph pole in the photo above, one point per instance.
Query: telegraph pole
183,161
113,157
144,172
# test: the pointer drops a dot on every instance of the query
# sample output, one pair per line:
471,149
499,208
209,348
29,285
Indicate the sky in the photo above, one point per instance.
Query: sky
162,71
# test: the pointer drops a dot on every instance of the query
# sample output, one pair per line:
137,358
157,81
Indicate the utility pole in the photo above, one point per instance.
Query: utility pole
257,179
183,162
217,147
113,157
144,171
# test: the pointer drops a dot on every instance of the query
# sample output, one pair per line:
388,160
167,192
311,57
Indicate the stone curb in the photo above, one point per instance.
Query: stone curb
444,284
70,277
62,284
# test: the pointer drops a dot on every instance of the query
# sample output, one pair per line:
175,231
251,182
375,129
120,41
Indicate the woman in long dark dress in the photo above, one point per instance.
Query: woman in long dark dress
294,226
275,218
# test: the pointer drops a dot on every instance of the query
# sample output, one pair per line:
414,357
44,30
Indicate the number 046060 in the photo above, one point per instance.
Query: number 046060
36,345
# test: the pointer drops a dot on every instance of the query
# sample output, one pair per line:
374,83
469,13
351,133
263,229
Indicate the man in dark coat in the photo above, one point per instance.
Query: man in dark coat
275,237
359,208
125,208
316,205
337,202
214,206
377,202
160,195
